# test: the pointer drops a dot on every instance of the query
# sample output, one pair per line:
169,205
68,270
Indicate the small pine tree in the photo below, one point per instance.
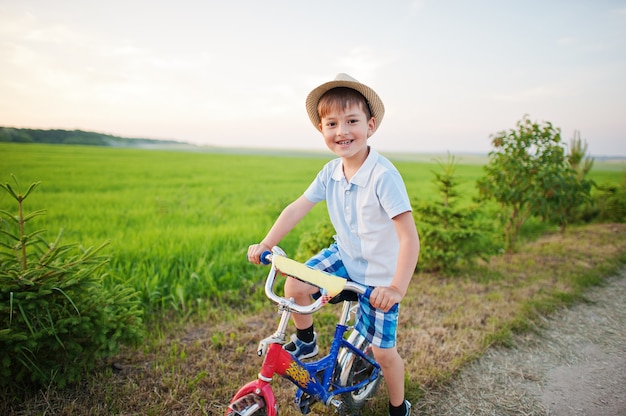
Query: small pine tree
577,157
56,317
450,235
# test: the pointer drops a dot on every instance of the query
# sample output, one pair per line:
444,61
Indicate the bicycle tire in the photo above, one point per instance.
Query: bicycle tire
352,369
248,405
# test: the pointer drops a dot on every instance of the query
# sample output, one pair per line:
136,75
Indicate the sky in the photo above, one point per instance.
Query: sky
451,73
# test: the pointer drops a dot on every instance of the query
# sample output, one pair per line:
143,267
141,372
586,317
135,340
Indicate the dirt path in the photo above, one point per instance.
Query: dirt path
574,366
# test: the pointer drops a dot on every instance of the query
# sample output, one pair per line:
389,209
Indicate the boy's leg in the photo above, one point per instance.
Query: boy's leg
304,344
380,329
393,370
301,292
327,260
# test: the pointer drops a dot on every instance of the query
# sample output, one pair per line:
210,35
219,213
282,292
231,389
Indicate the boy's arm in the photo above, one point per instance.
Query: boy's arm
409,251
385,297
291,215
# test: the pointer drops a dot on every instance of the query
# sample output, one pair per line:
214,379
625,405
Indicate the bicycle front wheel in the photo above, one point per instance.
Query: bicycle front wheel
248,405
352,370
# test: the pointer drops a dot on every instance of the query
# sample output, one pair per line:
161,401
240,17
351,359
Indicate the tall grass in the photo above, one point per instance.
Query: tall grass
179,223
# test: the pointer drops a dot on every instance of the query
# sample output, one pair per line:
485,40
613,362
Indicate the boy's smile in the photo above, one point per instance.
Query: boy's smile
346,132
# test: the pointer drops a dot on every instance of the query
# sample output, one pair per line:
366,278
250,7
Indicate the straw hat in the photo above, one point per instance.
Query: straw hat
344,80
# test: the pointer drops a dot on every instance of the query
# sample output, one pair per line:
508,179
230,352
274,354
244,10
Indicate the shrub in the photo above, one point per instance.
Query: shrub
450,235
528,175
313,241
610,203
56,317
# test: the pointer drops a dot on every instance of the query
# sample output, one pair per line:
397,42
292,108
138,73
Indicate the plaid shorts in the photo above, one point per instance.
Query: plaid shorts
378,327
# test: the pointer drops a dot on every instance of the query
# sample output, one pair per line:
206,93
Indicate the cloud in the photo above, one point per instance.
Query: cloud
567,40
360,60
364,62
416,6
529,94
621,11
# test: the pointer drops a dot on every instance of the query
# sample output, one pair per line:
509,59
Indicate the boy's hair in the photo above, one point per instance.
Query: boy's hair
369,100
342,98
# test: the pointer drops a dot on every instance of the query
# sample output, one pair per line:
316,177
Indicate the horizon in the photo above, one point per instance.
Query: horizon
169,144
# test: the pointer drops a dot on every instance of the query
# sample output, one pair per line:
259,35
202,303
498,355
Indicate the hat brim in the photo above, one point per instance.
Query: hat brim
375,103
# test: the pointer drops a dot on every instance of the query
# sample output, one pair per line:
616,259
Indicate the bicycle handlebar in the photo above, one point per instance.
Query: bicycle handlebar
267,258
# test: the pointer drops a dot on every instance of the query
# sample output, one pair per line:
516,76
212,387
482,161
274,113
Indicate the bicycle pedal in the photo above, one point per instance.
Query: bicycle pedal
304,404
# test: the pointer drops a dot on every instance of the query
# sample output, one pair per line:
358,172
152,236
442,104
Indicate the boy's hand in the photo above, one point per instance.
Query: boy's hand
255,251
384,298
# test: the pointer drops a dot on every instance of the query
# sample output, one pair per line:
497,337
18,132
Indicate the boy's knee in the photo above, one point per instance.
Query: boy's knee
295,288
387,357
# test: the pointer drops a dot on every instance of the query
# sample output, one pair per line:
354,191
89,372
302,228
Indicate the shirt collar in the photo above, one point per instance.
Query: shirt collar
363,174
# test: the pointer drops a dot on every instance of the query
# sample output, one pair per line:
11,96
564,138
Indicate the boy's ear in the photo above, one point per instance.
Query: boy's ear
371,124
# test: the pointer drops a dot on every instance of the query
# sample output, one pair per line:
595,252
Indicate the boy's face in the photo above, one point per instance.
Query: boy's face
346,131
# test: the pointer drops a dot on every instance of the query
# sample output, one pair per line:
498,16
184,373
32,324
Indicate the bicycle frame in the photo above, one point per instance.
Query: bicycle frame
314,379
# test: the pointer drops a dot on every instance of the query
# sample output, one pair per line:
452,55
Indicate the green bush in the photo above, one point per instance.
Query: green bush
530,175
56,317
450,235
313,241
609,203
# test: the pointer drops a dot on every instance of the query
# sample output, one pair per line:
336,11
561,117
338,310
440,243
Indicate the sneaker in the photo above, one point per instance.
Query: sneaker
301,349
407,404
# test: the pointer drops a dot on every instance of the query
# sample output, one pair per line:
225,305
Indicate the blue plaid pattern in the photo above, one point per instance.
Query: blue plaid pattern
378,327
328,260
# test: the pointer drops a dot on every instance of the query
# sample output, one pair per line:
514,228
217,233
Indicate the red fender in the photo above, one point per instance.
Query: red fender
262,389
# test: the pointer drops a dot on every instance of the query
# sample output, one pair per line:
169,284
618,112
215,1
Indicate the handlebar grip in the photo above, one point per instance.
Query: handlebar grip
368,292
265,257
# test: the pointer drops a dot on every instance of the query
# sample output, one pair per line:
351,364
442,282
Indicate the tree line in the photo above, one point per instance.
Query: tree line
71,137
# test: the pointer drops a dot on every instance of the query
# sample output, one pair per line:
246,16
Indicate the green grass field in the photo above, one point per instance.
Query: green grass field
179,223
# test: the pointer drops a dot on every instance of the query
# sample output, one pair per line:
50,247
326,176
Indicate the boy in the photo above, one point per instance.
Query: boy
376,243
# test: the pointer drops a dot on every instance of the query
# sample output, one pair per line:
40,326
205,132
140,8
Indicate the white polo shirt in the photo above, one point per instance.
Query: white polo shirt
361,212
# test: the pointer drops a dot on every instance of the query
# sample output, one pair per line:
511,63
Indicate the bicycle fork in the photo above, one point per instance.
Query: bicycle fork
259,393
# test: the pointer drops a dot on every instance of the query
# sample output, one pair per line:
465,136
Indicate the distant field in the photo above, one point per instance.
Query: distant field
180,222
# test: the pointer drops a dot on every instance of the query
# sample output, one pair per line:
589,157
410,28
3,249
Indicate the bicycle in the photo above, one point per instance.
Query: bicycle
345,378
